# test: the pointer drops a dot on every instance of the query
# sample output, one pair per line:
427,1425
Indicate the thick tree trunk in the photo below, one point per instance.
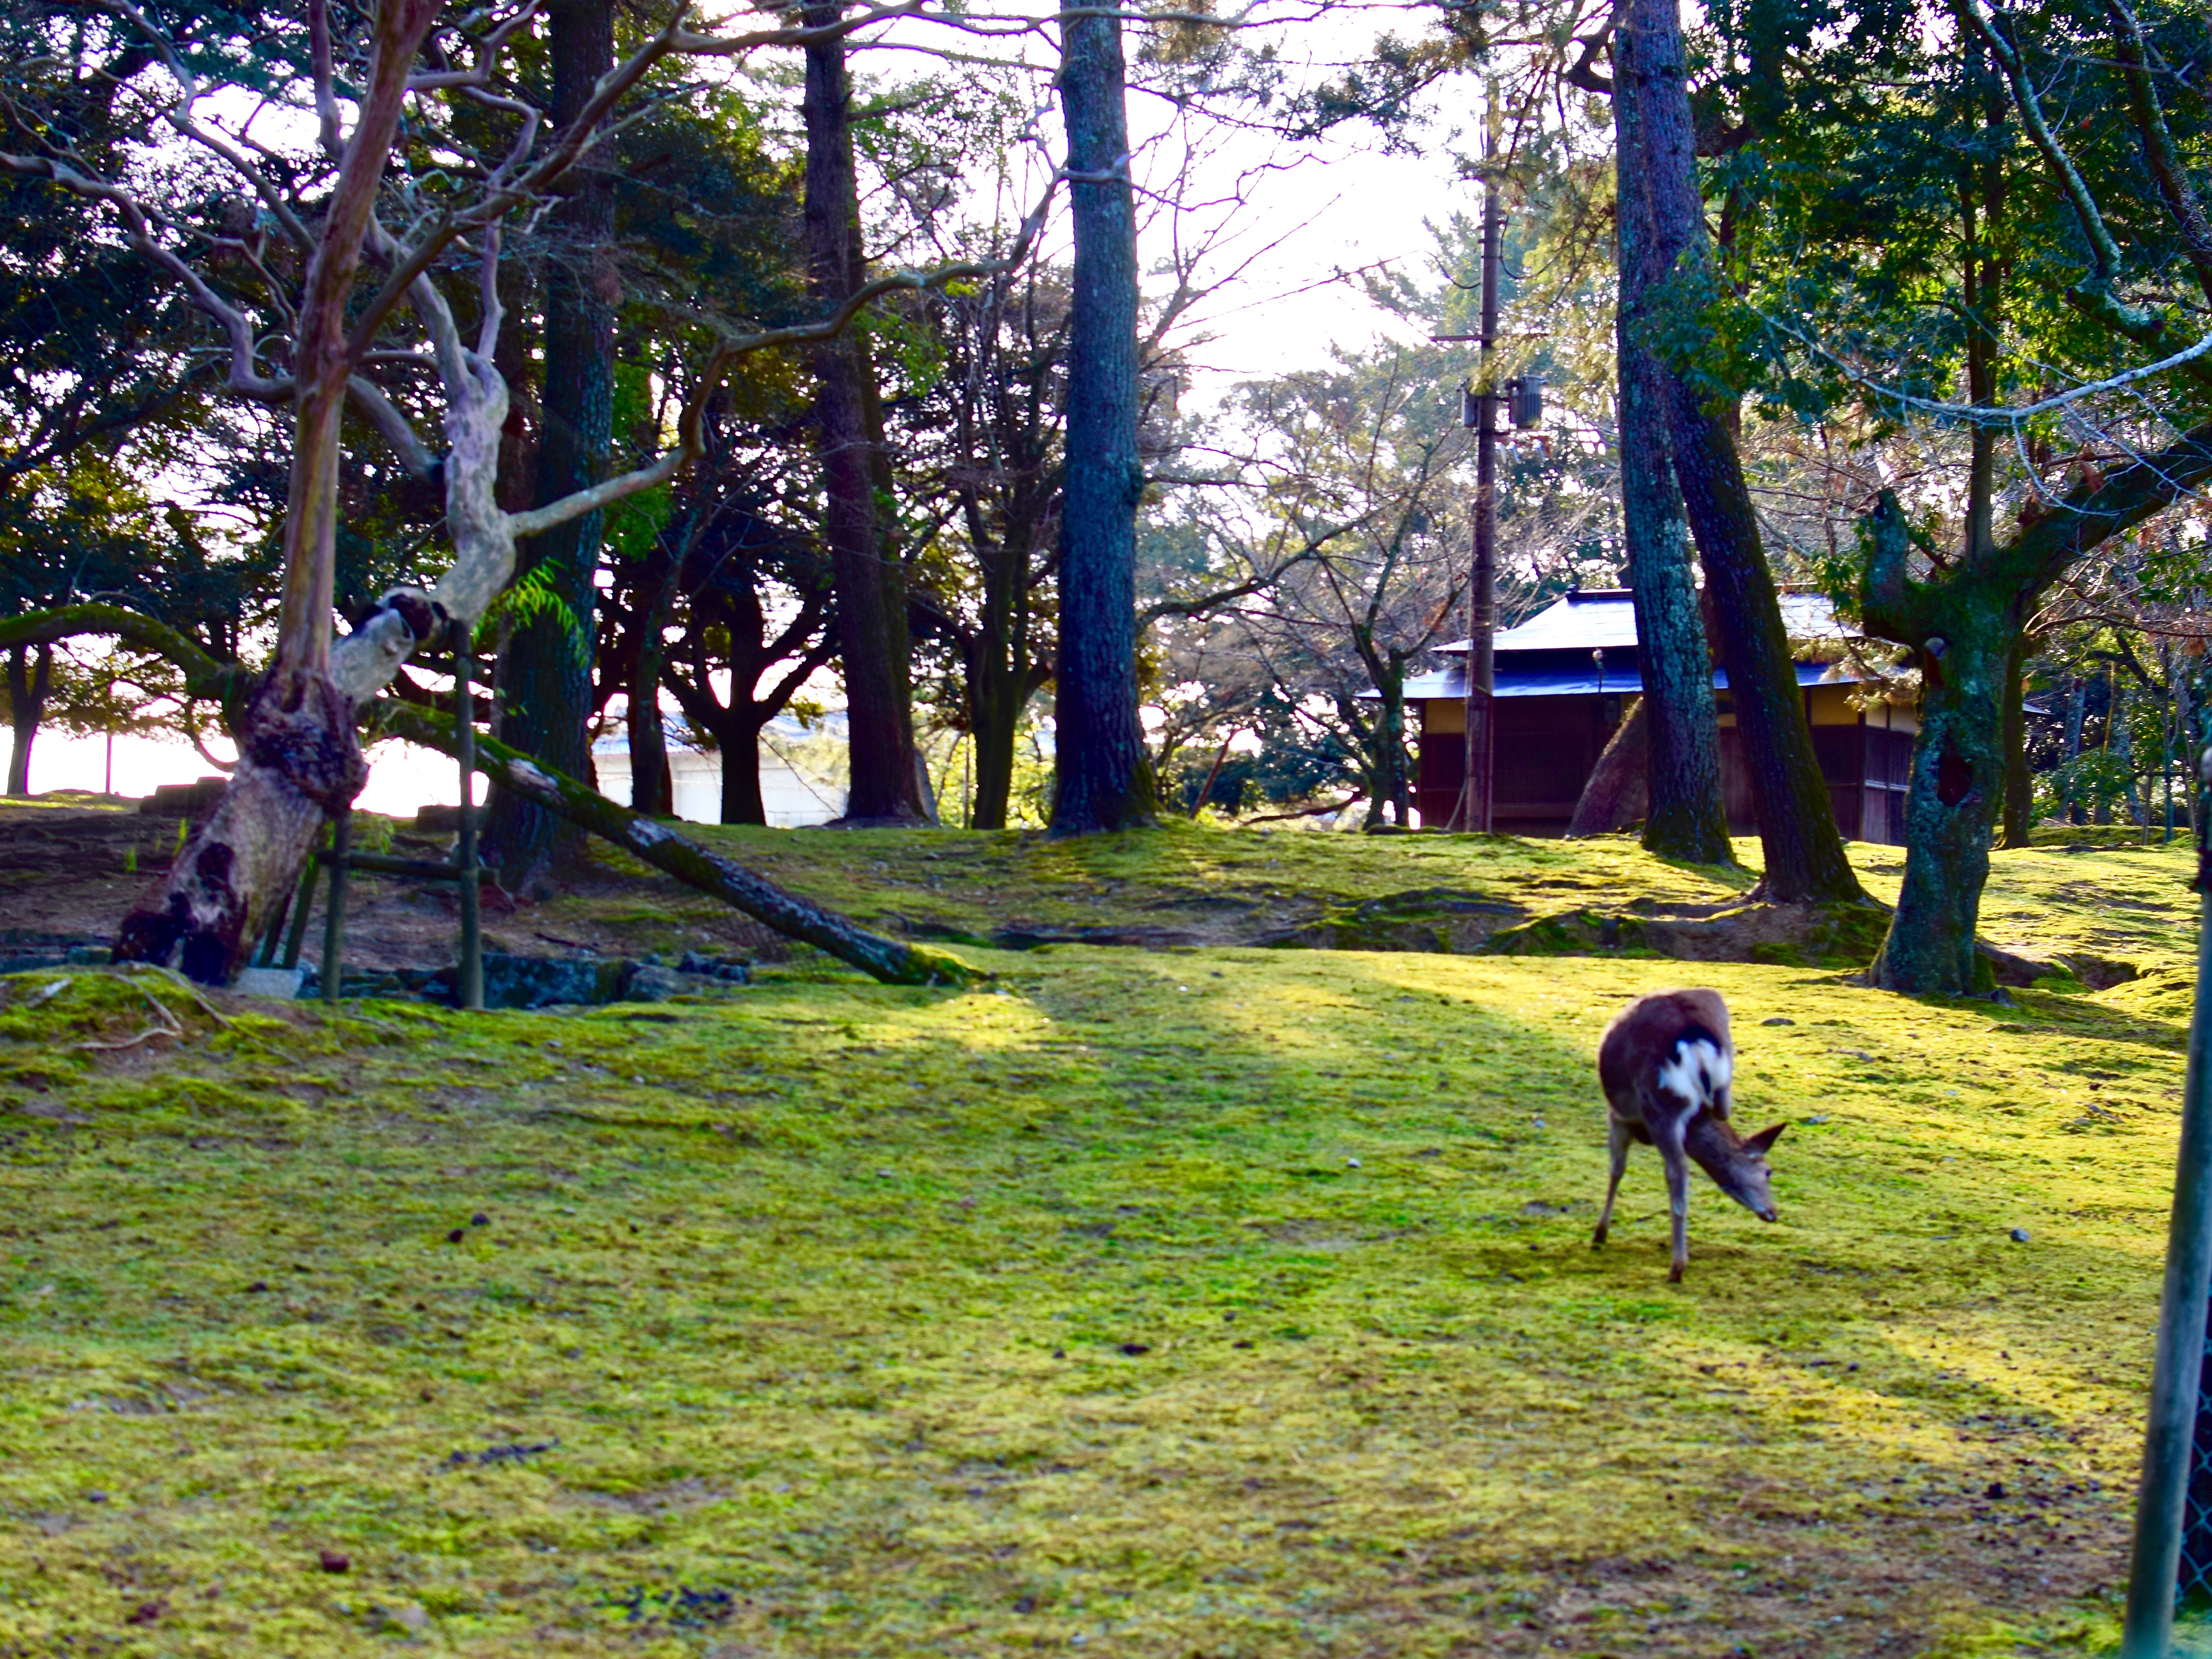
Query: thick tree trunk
1804,851
736,726
28,687
545,671
1392,788
1102,778
299,757
1679,735
999,691
871,589
736,739
1001,678
2019,782
1951,812
742,801
993,732
1967,625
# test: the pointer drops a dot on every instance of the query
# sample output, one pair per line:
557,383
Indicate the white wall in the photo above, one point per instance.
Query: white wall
790,798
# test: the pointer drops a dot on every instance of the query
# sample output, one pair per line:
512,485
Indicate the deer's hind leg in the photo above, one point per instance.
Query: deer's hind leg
1617,1141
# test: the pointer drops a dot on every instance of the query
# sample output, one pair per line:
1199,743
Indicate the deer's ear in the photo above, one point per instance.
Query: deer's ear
1765,1138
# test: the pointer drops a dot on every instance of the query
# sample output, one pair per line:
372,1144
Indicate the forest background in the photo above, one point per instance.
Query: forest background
1913,333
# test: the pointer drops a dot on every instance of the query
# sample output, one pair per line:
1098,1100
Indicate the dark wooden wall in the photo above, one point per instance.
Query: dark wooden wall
1547,747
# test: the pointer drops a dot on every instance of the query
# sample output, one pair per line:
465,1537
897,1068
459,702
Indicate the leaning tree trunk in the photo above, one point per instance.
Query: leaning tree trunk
892,961
871,624
545,672
1679,735
300,759
28,687
1618,792
1804,851
1103,778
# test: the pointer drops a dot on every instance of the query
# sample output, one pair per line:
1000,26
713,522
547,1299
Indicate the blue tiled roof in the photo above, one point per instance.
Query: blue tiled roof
1604,619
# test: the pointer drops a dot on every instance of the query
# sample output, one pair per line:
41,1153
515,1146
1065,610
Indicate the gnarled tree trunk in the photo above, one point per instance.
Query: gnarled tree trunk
1958,775
299,757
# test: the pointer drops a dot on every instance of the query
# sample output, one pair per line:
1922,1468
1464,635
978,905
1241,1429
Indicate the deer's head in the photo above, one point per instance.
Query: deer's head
1737,1164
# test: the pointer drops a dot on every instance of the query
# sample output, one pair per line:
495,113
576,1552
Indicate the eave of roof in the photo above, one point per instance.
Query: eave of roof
1449,684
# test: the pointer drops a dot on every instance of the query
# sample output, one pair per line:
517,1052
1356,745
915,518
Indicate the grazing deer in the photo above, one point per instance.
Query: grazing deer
1666,1063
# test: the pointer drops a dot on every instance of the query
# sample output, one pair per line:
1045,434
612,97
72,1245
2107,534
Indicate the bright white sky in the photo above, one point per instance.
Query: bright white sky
1344,206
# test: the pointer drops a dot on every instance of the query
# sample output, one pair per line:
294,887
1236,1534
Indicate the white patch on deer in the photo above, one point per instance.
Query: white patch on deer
1696,1074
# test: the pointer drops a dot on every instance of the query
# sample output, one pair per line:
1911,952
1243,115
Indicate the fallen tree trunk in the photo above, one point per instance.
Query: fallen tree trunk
887,959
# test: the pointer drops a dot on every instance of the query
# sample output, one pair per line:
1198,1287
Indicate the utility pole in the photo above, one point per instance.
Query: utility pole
1478,410
2172,1432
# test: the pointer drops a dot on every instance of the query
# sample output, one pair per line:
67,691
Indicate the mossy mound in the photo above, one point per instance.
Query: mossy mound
1782,935
1440,919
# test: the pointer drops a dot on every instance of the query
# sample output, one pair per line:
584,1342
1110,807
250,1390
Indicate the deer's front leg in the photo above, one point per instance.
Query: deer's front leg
1668,1140
1617,1141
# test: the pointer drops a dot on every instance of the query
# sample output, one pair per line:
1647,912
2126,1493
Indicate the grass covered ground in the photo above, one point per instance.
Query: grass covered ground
1220,1302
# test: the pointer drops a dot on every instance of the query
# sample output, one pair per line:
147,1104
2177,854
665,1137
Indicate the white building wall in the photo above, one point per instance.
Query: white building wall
791,798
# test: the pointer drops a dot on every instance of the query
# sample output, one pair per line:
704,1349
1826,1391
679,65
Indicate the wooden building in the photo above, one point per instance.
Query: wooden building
1563,680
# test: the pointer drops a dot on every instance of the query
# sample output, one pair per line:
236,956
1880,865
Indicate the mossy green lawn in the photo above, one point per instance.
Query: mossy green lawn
1220,1302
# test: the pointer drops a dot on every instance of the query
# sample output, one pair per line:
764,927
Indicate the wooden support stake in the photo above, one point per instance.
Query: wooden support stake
334,922
273,938
303,902
469,990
